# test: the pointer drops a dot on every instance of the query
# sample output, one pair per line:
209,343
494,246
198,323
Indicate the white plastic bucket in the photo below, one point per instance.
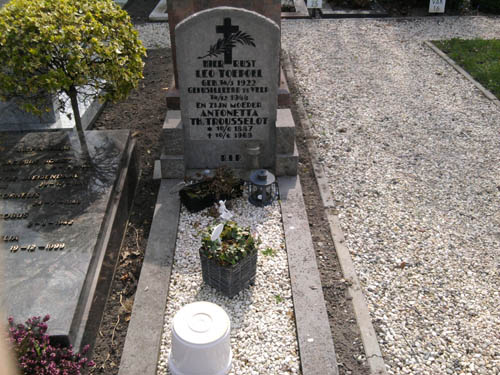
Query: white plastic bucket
200,340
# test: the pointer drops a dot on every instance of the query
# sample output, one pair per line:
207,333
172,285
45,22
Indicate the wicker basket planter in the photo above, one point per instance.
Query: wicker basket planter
229,280
228,257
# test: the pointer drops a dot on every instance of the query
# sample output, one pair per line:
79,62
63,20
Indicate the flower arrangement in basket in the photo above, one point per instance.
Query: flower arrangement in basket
228,256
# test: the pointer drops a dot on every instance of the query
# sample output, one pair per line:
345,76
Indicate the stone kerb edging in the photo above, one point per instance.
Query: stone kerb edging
142,343
459,69
368,336
316,347
378,12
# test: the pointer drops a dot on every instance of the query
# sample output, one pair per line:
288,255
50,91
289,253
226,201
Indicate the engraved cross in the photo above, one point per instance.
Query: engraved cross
227,29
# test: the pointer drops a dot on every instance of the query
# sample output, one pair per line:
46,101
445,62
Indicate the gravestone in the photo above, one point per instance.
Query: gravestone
178,10
62,217
13,118
11,115
228,61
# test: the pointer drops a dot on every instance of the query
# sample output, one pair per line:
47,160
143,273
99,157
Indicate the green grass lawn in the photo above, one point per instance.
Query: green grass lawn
480,58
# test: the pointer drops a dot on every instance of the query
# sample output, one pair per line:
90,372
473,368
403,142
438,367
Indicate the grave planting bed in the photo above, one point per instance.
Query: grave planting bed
263,334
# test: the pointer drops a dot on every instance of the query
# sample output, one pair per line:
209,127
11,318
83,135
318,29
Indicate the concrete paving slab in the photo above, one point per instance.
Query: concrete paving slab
317,353
142,344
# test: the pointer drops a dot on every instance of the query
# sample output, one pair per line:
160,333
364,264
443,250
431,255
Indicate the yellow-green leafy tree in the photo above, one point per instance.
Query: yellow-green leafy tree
76,47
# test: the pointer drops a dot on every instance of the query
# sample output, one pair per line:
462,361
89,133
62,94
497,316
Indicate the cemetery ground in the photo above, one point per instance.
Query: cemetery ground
409,148
143,113
413,257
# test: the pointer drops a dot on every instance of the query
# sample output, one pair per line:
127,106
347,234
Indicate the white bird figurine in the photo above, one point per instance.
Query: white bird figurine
224,213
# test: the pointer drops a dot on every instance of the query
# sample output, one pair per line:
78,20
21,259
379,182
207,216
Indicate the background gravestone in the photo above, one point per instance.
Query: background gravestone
228,61
62,219
12,115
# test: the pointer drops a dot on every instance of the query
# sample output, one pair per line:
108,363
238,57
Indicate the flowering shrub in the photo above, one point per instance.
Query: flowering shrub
35,354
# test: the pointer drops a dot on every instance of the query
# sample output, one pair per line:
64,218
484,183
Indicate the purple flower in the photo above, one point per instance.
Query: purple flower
35,354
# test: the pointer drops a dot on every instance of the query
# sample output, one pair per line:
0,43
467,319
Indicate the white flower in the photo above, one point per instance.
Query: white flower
217,232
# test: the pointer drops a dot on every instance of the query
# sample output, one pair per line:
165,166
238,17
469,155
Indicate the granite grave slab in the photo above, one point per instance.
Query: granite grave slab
62,216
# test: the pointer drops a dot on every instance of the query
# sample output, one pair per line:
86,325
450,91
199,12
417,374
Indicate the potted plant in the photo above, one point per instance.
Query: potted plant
228,256
223,185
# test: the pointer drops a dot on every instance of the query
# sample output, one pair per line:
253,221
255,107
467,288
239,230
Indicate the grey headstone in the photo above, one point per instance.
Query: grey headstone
12,114
228,62
50,194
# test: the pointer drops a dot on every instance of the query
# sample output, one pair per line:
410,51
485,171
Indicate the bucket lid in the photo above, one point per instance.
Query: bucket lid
201,323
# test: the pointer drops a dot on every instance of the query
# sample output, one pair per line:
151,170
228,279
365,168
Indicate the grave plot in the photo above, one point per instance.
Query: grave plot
13,118
228,76
263,334
63,213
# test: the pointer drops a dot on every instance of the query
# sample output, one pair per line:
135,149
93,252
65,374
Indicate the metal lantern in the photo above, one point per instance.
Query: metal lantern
262,188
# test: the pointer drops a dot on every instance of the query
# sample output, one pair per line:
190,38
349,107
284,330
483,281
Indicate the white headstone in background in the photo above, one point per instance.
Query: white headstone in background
228,64
315,4
437,6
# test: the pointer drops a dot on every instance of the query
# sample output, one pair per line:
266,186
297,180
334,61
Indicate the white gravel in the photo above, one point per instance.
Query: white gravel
411,150
154,35
263,336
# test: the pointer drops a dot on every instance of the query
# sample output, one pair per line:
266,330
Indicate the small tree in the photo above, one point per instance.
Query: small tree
76,47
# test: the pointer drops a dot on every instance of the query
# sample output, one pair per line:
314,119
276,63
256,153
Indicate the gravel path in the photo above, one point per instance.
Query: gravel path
263,335
411,150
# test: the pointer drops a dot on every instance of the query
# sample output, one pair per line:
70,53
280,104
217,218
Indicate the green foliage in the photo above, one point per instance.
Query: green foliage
278,298
55,46
481,58
269,252
488,6
235,244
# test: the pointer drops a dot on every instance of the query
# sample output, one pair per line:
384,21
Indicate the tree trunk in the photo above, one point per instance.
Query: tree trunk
73,95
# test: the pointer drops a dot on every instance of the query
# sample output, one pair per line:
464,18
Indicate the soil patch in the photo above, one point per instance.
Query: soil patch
143,113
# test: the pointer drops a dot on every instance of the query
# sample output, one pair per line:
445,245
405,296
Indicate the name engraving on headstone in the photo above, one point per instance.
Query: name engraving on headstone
30,172
225,109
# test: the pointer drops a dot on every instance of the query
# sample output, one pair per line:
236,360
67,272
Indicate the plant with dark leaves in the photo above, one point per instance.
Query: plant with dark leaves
234,244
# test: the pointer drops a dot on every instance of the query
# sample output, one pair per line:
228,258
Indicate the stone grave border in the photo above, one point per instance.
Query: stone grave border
328,12
371,346
112,234
159,13
142,344
459,69
106,251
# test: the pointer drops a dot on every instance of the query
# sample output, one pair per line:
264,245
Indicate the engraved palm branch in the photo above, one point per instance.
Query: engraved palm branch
223,43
